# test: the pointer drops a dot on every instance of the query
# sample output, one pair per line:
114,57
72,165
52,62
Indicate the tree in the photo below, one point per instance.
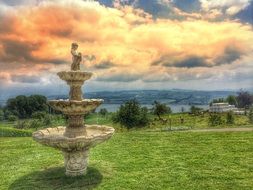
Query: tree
23,106
231,100
230,118
161,109
103,111
131,114
244,99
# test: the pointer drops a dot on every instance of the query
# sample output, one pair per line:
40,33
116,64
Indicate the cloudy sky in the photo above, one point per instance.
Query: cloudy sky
128,44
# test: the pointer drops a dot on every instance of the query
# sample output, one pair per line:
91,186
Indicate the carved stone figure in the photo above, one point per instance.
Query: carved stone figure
76,57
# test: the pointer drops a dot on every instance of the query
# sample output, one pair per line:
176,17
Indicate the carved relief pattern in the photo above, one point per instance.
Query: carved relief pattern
76,162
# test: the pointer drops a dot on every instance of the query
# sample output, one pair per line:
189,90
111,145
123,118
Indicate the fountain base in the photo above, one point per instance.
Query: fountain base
76,162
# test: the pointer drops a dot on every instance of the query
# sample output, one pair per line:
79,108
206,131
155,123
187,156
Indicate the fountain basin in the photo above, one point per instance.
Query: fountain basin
75,150
54,137
75,107
74,76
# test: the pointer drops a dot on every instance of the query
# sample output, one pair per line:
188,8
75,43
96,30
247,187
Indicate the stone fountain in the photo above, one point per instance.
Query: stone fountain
76,139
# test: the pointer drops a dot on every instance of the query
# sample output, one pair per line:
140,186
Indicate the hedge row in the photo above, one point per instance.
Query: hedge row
11,132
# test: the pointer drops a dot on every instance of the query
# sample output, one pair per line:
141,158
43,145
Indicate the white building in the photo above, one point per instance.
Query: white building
221,108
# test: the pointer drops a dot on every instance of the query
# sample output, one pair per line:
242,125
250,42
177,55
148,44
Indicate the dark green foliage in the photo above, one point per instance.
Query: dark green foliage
47,120
39,115
230,118
36,124
232,100
195,110
24,107
12,118
251,115
215,120
160,109
103,111
244,99
1,115
22,124
131,115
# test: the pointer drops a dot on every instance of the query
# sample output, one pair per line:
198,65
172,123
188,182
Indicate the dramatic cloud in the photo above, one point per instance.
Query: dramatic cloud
104,65
246,15
120,43
230,7
188,5
25,79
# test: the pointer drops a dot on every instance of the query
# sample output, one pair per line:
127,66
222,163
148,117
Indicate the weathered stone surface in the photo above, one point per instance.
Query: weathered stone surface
76,57
76,162
54,137
76,139
74,107
74,76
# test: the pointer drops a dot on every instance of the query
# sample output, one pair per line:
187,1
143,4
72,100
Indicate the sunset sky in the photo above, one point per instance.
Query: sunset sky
128,44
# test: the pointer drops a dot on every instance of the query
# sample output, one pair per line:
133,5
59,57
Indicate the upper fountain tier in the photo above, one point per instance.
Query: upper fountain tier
74,77
73,107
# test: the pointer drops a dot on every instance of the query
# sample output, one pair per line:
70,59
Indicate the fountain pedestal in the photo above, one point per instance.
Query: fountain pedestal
76,162
76,139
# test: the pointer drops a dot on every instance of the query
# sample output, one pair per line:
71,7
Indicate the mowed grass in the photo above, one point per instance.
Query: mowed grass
136,160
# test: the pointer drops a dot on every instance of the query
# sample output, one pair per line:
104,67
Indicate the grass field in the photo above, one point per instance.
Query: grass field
136,160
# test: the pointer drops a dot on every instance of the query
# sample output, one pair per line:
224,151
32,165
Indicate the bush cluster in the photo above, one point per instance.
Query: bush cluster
39,120
131,114
215,119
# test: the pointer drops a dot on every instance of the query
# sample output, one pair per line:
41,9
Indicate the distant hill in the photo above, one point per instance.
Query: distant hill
175,96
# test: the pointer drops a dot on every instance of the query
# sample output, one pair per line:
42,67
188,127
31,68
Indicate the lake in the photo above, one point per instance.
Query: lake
175,108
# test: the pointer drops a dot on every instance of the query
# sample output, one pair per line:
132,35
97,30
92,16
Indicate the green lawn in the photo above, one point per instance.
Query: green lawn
136,160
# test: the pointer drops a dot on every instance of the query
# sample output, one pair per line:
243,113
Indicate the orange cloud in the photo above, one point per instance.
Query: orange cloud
38,38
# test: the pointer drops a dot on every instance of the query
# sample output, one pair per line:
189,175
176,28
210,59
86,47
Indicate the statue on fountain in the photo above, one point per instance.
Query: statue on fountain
76,139
76,57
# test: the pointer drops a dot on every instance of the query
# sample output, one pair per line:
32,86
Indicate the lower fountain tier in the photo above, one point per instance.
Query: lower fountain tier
75,150
75,107
54,137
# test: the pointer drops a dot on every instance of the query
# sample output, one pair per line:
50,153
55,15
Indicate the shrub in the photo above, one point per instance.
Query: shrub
22,124
103,111
1,115
215,119
251,115
12,132
35,123
230,118
12,118
131,115
39,115
160,109
195,110
47,120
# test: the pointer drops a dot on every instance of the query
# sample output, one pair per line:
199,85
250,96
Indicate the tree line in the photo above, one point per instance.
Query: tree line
243,99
